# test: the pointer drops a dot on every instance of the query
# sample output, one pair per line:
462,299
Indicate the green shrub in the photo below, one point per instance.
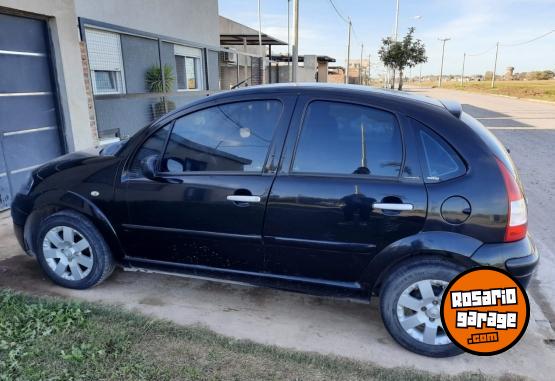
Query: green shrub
154,81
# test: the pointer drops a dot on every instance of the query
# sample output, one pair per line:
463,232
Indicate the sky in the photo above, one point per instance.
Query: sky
474,27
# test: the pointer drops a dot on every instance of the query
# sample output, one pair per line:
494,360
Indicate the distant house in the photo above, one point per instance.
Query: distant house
312,68
336,74
241,63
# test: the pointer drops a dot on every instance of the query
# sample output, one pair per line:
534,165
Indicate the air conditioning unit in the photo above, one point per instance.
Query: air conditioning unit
230,57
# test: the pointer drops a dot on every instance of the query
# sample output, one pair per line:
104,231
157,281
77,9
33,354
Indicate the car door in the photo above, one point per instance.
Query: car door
207,202
348,186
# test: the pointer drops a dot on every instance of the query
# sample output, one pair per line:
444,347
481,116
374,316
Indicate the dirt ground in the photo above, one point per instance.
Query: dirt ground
325,325
339,326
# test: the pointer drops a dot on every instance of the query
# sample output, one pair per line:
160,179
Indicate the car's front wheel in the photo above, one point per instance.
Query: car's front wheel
72,252
410,302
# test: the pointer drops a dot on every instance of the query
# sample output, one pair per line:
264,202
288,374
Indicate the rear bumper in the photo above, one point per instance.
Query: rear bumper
519,258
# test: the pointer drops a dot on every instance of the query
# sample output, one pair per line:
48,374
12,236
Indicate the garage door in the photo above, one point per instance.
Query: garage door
29,122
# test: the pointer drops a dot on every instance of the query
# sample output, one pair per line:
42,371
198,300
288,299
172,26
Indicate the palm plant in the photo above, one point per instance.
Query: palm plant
156,83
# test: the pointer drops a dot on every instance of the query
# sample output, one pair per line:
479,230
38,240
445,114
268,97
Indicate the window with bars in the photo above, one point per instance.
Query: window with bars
188,68
105,61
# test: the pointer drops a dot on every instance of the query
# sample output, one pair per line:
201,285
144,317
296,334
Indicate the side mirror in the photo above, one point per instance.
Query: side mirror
149,166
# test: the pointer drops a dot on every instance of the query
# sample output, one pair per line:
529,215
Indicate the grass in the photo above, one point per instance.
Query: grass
543,90
51,339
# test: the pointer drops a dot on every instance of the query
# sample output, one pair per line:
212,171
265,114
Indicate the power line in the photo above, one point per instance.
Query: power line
512,44
355,34
532,40
338,13
481,53
345,19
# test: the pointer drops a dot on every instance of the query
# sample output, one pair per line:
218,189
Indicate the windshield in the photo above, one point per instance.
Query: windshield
114,148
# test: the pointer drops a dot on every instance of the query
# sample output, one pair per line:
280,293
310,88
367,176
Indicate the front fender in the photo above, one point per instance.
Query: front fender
57,200
454,246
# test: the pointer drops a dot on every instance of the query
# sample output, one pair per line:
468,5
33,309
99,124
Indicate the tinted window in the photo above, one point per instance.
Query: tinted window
230,137
440,161
154,145
345,139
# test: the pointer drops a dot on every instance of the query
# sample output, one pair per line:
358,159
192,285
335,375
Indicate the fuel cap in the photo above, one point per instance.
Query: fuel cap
456,210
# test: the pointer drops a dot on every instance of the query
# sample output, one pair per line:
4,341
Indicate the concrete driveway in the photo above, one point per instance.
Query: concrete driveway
325,325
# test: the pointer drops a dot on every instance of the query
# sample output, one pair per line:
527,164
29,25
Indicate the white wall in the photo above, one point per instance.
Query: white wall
192,20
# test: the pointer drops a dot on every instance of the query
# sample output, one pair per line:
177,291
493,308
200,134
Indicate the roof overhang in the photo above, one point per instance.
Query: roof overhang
285,58
249,39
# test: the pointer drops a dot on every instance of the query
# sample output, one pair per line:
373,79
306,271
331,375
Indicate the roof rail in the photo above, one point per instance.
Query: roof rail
453,107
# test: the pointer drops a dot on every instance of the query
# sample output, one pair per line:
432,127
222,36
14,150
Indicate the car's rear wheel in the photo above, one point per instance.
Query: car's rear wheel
410,302
72,252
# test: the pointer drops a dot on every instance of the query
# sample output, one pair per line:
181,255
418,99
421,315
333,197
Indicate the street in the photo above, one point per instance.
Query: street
337,326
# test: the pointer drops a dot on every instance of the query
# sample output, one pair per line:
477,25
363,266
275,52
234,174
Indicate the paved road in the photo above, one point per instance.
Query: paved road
341,327
527,128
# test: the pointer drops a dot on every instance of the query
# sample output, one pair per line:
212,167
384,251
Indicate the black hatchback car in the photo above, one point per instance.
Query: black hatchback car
338,190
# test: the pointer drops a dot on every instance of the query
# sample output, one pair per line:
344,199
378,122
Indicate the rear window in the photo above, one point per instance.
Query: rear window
439,161
491,141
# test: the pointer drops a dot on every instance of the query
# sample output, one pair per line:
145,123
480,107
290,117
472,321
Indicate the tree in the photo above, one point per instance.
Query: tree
540,75
402,54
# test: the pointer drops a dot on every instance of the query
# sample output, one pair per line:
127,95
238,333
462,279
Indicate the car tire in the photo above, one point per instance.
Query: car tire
72,252
410,301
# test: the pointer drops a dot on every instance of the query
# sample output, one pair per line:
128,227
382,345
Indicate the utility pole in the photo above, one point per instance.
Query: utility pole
348,53
442,55
288,41
360,66
261,48
495,65
462,73
395,35
420,76
295,38
397,20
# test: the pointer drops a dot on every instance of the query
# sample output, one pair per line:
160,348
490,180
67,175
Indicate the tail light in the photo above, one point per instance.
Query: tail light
517,221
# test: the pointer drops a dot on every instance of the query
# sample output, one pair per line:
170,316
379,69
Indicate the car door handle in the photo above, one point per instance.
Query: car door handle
237,198
389,206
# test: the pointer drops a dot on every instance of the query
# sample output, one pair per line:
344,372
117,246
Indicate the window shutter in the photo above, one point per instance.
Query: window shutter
104,50
180,69
180,50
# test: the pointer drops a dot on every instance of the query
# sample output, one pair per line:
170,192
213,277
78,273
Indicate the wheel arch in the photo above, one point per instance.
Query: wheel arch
54,202
453,247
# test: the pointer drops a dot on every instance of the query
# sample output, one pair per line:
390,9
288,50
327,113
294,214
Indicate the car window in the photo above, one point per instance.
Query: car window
440,161
342,138
154,145
229,137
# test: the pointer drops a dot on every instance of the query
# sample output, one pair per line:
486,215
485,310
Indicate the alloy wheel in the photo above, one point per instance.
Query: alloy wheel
68,253
418,311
